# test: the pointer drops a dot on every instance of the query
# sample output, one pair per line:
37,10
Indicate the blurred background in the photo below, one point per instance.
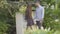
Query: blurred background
8,8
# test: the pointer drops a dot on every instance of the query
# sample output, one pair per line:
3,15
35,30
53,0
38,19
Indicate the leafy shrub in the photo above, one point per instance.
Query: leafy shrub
52,19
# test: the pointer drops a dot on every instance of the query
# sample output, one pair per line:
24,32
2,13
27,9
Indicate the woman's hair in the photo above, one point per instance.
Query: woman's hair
28,12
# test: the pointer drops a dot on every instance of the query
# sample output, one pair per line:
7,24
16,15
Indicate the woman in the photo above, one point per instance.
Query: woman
28,16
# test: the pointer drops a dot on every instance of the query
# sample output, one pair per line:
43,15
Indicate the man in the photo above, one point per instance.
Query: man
39,14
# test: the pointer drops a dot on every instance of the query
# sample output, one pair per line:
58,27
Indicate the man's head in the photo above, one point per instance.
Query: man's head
37,3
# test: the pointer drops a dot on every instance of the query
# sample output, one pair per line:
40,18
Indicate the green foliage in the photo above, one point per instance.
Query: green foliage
57,32
7,22
52,19
7,17
22,9
3,24
37,31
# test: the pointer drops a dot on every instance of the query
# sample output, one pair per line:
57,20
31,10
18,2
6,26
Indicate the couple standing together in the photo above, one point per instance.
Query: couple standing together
39,15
